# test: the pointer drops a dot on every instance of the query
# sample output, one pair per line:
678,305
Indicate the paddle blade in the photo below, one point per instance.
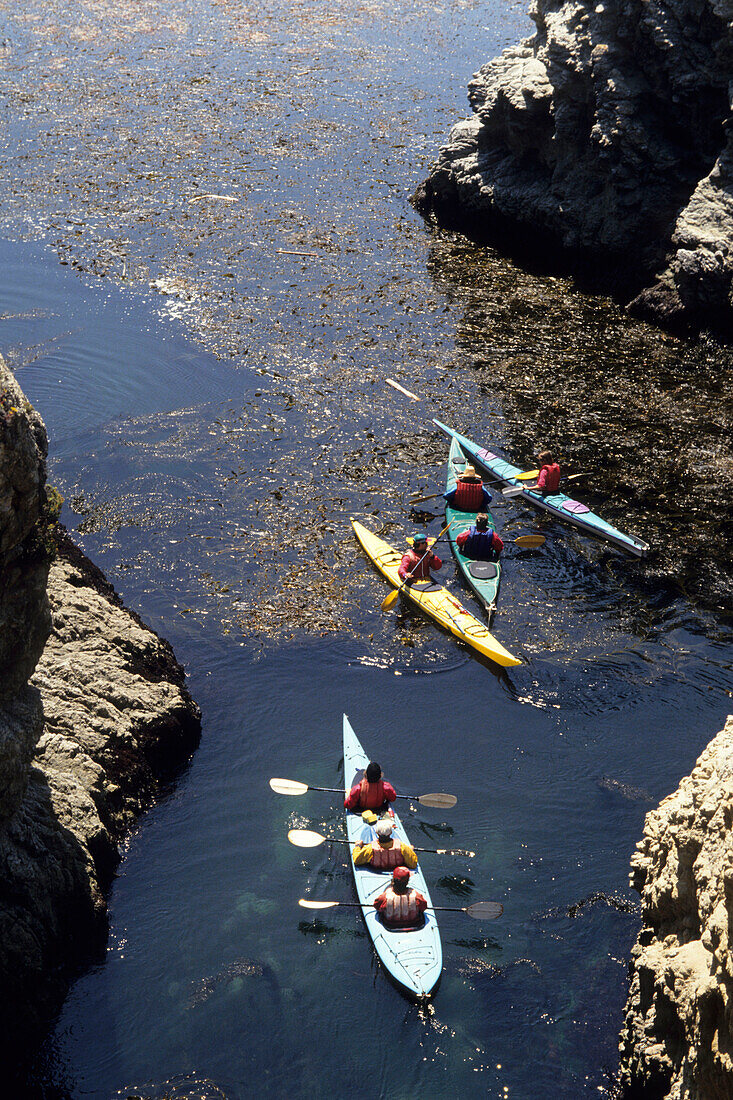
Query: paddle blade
288,786
439,801
485,910
454,852
527,475
390,600
305,838
316,904
530,540
512,491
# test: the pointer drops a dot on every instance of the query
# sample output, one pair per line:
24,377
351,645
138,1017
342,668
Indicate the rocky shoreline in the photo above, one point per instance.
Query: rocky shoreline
677,1039
602,144
94,718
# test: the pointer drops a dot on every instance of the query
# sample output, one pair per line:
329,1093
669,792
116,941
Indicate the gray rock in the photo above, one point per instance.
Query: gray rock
606,135
676,1040
84,746
24,613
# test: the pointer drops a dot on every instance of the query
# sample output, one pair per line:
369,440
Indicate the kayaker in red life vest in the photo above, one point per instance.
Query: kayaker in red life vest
373,793
411,567
549,476
469,494
480,542
386,852
399,905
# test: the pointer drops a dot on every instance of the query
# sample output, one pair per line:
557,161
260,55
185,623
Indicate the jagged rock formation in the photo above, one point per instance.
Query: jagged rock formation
677,1040
83,746
607,135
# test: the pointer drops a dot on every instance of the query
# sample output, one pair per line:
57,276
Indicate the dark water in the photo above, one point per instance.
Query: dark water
217,411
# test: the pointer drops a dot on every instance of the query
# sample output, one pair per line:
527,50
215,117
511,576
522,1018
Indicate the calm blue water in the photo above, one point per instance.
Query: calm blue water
211,437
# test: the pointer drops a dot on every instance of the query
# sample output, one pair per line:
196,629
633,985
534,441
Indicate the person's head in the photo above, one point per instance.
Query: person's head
384,829
373,773
400,880
545,458
420,542
482,521
469,473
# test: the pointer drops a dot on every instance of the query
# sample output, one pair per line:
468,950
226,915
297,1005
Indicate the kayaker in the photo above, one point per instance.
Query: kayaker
411,567
469,494
480,542
373,793
399,905
385,852
548,480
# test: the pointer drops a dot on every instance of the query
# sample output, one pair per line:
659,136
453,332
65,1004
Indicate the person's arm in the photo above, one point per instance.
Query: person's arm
409,855
434,561
379,903
487,497
421,902
351,802
389,792
449,495
497,543
462,539
542,479
405,567
362,854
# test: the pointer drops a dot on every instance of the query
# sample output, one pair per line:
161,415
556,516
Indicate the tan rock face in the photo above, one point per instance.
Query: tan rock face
677,1039
605,133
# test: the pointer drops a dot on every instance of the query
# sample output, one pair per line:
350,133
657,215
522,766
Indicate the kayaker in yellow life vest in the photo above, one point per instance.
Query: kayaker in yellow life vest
386,852
399,906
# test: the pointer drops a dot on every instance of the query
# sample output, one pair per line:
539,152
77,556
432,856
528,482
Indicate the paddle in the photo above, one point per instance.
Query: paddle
293,787
306,838
523,540
391,598
515,490
480,910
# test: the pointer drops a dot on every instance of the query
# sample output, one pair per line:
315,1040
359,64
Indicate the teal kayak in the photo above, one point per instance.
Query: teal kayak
412,957
482,576
559,505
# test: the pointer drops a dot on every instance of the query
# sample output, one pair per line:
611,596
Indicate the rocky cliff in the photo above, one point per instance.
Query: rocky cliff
85,739
606,136
677,1040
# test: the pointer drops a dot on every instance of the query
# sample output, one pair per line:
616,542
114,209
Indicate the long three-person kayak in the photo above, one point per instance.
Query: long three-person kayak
435,600
414,958
557,504
482,576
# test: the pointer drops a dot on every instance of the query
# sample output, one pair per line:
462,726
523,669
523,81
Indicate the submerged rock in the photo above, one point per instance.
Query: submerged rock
605,135
677,1039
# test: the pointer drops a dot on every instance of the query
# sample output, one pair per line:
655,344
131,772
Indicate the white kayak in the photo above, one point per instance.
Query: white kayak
413,958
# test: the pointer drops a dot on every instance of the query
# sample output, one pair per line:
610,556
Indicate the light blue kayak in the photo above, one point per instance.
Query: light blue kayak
414,959
482,576
557,504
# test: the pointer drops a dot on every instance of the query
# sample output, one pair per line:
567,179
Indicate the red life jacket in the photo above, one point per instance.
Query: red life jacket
469,496
400,910
552,473
419,569
386,859
371,795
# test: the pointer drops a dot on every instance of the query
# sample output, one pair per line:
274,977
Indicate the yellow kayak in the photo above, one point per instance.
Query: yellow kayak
435,600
